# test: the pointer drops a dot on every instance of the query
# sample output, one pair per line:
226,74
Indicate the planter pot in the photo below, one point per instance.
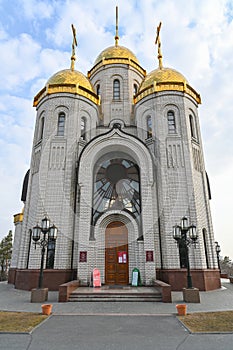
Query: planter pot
181,309
46,309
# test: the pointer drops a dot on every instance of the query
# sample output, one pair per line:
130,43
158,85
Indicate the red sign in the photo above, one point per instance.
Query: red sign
96,278
149,255
83,257
122,257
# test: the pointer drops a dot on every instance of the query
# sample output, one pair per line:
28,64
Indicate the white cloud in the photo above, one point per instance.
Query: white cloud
16,131
35,9
196,40
19,60
222,208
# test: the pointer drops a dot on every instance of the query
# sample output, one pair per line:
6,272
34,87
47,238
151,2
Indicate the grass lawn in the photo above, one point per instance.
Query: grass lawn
221,321
19,321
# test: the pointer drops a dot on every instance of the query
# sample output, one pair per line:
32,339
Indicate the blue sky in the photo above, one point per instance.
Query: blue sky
197,40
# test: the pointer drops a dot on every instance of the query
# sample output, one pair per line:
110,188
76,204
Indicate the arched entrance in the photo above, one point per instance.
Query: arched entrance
116,254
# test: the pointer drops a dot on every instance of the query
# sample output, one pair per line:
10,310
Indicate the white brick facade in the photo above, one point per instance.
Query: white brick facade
172,176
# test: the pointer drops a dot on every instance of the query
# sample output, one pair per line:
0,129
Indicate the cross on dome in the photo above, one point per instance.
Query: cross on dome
117,34
74,44
158,41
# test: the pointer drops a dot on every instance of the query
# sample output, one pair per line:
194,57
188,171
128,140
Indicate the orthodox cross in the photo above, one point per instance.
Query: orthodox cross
74,44
157,41
117,35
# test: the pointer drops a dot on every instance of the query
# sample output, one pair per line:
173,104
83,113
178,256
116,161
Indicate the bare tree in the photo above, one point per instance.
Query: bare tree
226,265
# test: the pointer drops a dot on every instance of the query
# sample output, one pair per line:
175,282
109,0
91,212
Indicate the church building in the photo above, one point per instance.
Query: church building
117,162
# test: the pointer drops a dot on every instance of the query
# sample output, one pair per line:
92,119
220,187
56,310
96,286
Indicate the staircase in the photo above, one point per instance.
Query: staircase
108,293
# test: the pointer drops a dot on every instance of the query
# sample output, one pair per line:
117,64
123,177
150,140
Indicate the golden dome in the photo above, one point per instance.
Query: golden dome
67,81
116,55
163,75
165,79
116,52
68,76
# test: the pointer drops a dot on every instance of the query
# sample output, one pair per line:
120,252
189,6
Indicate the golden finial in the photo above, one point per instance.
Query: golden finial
74,43
116,36
157,41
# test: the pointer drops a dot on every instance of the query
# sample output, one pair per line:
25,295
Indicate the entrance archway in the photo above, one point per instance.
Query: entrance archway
116,254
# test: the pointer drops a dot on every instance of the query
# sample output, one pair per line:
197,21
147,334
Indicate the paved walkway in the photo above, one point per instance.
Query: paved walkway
114,325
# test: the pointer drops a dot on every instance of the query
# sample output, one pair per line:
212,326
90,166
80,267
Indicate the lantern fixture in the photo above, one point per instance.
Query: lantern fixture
185,235
218,250
48,232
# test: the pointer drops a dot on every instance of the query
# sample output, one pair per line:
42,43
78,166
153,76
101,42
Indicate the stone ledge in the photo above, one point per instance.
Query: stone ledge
66,289
165,291
27,279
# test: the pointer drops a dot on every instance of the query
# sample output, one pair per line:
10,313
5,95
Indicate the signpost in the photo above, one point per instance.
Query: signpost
136,279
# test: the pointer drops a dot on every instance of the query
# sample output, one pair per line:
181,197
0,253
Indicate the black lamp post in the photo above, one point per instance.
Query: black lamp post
184,236
218,250
44,229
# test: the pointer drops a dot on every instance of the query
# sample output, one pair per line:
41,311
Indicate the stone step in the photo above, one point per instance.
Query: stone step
113,299
115,295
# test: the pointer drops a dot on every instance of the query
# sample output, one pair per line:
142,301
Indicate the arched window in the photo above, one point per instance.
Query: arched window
135,89
171,122
41,128
116,89
98,89
116,186
83,128
149,126
192,127
61,124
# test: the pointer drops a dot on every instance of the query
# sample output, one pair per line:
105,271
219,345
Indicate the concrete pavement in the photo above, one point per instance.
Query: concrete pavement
114,325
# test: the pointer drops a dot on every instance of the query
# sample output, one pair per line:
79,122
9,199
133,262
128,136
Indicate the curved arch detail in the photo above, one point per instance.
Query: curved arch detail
116,141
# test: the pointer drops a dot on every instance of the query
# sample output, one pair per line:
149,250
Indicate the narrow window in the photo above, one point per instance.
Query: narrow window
98,89
149,126
41,128
50,253
192,127
135,89
116,89
204,232
83,128
183,254
171,122
61,124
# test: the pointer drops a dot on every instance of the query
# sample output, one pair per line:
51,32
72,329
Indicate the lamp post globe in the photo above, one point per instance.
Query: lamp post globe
45,224
176,232
36,231
184,223
218,250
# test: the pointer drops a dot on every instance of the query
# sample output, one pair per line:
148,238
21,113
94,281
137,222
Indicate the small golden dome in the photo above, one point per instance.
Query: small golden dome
68,81
165,79
116,52
68,76
163,75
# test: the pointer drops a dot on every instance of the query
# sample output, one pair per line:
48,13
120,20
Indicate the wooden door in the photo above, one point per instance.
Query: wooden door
116,254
